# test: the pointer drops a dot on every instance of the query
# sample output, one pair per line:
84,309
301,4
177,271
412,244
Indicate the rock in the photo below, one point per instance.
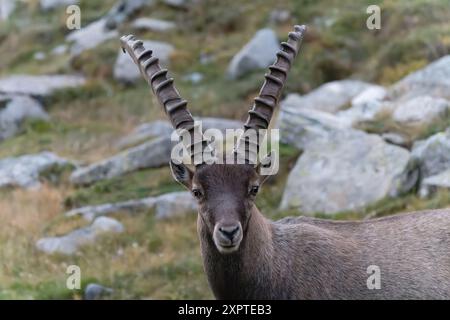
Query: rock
95,291
7,7
367,114
161,128
194,77
105,224
47,5
70,243
59,50
434,183
418,116
42,85
14,111
90,36
301,127
348,171
395,138
123,10
155,25
433,80
39,56
144,132
131,206
279,16
166,206
432,154
330,97
174,204
219,123
25,171
372,93
155,153
409,118
125,69
259,53
180,4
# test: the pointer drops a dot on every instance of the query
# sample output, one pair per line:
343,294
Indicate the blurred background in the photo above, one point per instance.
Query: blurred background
84,146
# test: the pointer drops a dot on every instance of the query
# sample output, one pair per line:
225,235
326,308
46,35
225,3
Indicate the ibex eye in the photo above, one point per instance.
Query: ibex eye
254,190
197,193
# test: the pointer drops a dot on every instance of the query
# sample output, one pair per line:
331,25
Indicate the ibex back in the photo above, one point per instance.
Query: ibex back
247,256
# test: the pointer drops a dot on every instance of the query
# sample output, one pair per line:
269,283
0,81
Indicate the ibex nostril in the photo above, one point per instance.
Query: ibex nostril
229,232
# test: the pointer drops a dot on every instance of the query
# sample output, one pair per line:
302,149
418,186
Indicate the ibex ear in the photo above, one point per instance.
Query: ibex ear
267,167
182,174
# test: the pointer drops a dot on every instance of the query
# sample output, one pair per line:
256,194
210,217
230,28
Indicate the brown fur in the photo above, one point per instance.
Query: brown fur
308,258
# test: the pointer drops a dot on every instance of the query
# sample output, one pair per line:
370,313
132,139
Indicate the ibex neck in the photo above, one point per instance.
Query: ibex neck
246,273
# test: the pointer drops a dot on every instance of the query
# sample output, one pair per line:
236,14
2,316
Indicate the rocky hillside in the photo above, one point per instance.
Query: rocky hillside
84,146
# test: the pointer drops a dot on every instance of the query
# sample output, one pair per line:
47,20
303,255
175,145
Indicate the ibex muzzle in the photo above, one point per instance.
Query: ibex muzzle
226,195
247,256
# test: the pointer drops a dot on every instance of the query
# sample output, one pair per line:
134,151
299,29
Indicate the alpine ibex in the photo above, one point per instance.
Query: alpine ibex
247,256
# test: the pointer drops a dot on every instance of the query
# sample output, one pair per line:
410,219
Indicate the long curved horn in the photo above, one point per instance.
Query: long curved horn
174,106
265,103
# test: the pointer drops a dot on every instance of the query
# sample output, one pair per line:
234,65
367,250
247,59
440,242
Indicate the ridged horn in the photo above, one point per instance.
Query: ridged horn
174,106
265,103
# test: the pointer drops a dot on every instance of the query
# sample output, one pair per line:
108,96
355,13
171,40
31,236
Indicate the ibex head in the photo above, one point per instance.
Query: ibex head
225,192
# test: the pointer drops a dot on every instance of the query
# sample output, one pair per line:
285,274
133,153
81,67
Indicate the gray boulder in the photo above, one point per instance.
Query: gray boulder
47,5
25,171
105,224
395,138
433,154
122,10
416,117
42,85
14,110
59,50
7,7
302,127
70,243
155,25
39,56
433,80
372,93
90,36
161,128
348,171
131,206
330,97
166,206
179,4
94,291
151,154
125,69
367,114
410,118
174,204
221,124
434,183
259,53
279,16
145,131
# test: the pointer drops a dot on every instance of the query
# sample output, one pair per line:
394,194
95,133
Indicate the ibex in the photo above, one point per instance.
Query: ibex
247,256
